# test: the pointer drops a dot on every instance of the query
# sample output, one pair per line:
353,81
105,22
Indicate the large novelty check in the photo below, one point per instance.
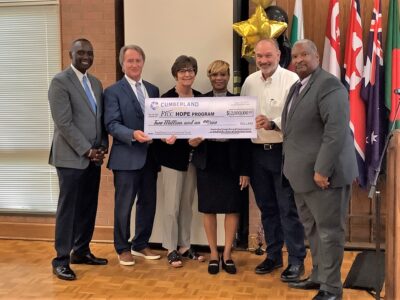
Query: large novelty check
207,117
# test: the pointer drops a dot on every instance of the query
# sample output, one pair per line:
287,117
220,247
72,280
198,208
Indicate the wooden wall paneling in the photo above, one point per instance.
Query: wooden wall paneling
392,257
361,222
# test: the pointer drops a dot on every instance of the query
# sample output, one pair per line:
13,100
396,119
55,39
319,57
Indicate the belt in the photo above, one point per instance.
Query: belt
270,146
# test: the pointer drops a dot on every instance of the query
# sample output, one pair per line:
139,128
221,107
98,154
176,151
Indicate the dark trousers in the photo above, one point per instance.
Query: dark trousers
76,211
323,213
129,184
276,202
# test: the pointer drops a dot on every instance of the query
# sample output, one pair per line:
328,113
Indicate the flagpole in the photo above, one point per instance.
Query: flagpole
375,195
372,189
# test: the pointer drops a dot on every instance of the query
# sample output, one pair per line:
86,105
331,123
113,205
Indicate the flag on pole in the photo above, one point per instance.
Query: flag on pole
297,31
392,61
331,58
372,93
353,65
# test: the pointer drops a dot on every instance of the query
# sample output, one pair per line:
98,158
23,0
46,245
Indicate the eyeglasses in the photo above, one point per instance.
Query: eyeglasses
189,70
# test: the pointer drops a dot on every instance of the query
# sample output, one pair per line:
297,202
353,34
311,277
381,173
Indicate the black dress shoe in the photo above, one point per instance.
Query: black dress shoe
213,267
64,272
267,266
292,273
324,295
228,266
88,259
306,284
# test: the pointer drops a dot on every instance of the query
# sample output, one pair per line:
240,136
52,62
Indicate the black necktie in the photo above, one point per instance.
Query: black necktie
295,97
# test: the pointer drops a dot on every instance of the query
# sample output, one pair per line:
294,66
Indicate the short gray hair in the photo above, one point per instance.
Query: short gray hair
132,47
309,43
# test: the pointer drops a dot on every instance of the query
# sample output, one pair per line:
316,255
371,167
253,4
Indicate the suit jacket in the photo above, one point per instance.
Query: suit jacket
316,135
76,127
122,116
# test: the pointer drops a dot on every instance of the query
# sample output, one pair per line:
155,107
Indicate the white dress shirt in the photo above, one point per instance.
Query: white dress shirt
80,77
271,94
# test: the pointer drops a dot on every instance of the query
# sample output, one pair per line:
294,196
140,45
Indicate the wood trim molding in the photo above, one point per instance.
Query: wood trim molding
45,232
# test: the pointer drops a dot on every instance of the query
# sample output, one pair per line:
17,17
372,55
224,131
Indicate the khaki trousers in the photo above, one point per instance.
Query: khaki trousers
178,191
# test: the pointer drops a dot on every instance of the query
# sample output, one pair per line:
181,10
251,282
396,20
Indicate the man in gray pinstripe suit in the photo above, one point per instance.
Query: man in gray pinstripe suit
320,164
79,145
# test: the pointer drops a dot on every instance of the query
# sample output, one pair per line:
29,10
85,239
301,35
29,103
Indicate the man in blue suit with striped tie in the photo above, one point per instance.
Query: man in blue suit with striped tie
132,158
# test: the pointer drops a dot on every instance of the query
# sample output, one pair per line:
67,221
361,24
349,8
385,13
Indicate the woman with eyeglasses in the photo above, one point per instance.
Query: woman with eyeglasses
178,174
223,167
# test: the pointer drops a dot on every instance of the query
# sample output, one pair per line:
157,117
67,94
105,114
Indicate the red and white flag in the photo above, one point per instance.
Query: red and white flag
354,66
331,58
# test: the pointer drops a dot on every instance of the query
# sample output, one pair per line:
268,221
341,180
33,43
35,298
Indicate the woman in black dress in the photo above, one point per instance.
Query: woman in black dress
222,174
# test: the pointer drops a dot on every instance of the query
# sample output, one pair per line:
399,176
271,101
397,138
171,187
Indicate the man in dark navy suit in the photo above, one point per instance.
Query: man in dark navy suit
131,158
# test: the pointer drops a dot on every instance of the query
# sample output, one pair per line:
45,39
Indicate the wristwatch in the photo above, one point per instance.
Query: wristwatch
272,125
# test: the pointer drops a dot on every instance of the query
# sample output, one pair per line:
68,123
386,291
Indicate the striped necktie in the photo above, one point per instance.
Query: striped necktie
140,95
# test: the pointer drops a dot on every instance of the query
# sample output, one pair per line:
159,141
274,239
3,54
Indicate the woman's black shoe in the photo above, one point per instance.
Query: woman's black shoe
228,266
213,267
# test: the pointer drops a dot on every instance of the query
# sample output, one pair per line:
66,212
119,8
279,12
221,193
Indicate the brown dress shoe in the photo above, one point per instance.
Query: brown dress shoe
146,253
126,259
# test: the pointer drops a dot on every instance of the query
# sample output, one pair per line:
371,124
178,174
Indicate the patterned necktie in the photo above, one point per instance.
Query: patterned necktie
140,94
89,95
294,97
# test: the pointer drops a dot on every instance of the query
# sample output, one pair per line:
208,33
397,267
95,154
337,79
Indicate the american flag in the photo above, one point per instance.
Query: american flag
353,64
372,93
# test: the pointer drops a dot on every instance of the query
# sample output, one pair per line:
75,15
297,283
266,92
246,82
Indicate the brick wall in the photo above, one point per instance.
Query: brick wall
94,20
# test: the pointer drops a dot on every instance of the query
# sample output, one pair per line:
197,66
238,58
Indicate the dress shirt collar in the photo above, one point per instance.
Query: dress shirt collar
78,73
216,94
304,82
273,76
133,82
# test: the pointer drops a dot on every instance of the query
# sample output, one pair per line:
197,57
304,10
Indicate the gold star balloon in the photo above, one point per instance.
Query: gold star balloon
263,3
257,28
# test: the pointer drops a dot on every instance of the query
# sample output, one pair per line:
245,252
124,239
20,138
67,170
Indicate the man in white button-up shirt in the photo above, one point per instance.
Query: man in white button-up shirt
279,217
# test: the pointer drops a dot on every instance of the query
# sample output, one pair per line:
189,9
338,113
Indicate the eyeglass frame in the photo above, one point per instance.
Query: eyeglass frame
189,70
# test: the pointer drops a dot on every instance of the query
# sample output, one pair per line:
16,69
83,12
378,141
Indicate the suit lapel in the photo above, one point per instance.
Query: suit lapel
296,102
303,93
149,89
72,76
285,107
126,87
